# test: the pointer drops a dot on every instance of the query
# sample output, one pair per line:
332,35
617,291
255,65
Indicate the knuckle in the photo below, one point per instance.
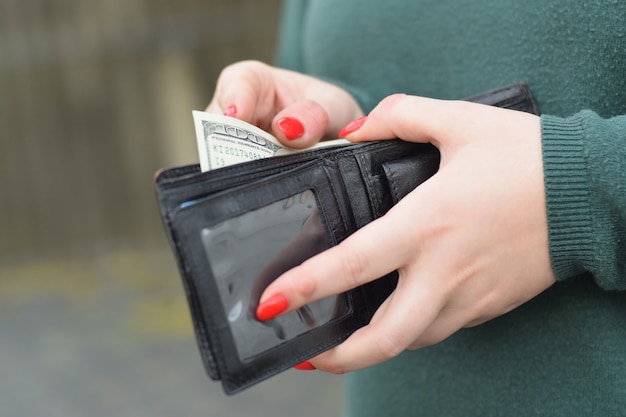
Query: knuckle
429,338
334,369
244,69
316,112
392,101
354,267
330,362
306,286
487,307
390,345
251,64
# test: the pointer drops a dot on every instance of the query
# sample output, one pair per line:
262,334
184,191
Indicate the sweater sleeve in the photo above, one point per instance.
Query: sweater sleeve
585,178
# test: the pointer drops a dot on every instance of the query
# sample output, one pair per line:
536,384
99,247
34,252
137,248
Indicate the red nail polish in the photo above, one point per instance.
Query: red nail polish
272,307
305,366
291,128
231,111
353,126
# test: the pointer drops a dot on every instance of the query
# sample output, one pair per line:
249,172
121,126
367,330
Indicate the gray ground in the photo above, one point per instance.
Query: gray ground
110,336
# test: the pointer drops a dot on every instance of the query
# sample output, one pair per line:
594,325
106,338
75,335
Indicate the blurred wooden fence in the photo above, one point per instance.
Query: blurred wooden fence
95,95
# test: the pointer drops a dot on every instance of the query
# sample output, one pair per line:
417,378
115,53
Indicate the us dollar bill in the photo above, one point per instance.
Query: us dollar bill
224,141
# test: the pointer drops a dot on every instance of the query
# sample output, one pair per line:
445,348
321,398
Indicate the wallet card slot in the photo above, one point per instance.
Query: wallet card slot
405,174
391,169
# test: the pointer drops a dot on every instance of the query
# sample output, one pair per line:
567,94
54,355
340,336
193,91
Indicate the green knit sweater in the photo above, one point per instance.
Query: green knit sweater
564,352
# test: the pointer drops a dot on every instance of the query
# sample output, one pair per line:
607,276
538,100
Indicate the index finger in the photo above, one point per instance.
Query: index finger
370,253
241,88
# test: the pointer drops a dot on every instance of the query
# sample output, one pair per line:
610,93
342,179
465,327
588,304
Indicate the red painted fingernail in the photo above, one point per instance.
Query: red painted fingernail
291,128
271,307
353,126
231,111
305,366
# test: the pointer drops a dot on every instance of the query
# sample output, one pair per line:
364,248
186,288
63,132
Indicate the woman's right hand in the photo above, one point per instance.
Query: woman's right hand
298,109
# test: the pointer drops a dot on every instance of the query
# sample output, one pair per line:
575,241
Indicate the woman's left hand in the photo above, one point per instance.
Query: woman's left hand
470,244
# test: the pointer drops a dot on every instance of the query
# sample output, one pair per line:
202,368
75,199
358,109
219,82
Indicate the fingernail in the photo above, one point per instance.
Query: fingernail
291,128
305,366
271,307
353,126
231,111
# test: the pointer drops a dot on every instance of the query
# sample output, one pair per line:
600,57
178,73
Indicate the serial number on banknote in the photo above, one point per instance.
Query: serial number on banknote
224,141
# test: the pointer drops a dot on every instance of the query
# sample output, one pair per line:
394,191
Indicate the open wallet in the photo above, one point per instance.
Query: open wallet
234,230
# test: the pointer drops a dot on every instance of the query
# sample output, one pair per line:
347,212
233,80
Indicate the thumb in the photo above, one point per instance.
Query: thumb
301,124
446,124
411,118
319,114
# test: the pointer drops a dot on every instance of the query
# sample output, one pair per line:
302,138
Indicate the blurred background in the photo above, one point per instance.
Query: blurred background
95,96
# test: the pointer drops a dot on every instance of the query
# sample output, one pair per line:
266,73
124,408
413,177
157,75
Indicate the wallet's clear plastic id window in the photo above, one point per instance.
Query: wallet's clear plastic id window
249,251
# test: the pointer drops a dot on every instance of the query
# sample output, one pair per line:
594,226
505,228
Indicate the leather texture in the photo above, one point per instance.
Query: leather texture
353,185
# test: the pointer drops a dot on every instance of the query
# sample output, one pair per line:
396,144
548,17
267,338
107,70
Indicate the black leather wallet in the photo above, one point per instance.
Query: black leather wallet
234,230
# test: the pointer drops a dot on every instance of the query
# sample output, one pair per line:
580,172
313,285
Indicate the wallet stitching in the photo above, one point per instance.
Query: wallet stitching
191,293
188,265
213,342
393,179
342,213
239,384
370,191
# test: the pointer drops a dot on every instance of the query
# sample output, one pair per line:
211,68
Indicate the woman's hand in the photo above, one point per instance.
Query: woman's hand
298,109
470,244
